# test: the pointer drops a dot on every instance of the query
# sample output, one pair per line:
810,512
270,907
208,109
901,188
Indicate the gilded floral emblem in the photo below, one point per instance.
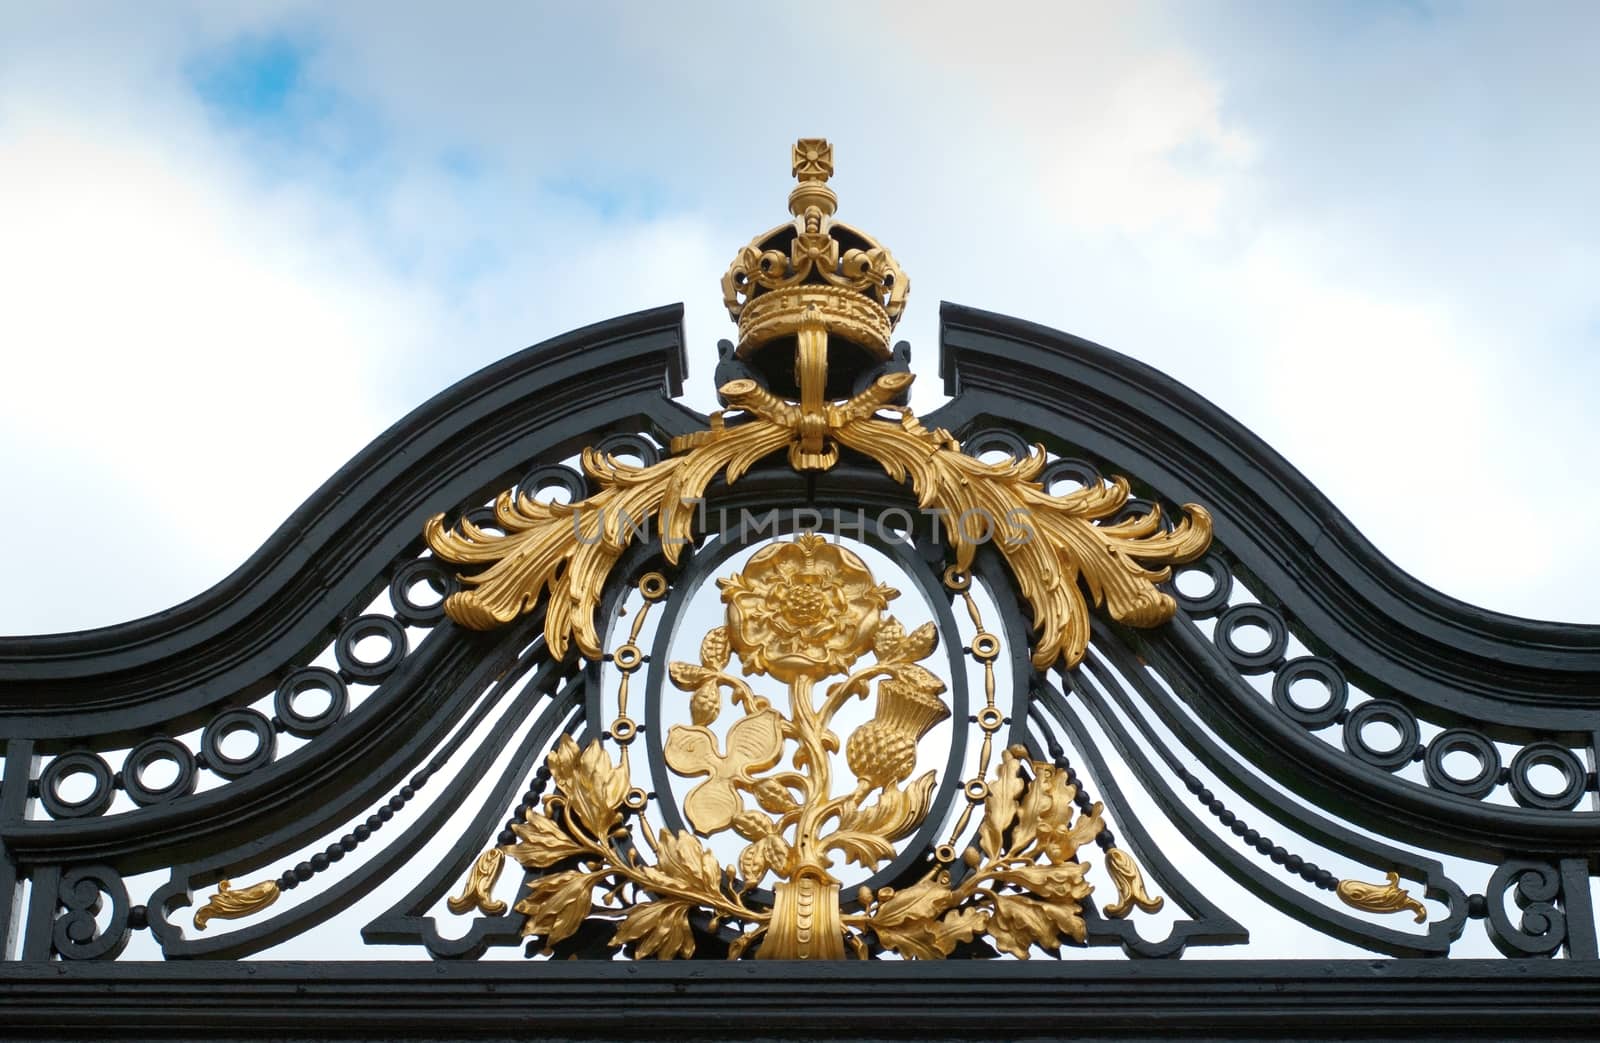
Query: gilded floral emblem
810,614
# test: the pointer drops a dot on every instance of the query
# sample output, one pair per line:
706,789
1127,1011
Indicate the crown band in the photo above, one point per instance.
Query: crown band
845,313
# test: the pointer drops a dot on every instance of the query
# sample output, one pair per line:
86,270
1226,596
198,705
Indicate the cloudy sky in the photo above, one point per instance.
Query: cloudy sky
238,241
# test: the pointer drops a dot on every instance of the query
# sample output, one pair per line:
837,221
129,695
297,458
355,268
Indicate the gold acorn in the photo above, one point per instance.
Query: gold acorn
884,750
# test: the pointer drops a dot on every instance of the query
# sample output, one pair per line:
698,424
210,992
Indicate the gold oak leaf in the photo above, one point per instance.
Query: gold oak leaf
1046,814
755,743
661,928
933,939
918,922
1019,923
1000,808
556,904
1061,841
1050,881
593,786
925,900
544,843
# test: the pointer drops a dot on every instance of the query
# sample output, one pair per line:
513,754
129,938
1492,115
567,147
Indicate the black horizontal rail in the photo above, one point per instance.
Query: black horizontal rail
979,1000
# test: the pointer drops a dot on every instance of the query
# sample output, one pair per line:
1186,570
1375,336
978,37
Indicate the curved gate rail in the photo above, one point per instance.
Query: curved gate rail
345,724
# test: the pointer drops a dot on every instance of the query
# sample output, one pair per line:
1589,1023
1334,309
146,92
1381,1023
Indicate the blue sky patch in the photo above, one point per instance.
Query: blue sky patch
288,122
609,198
253,78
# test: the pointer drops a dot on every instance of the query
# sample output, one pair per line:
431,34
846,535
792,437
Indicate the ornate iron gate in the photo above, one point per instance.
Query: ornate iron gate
810,680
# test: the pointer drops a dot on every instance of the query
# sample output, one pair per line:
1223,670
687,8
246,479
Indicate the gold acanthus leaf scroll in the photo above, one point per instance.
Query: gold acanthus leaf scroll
1381,898
1050,542
230,903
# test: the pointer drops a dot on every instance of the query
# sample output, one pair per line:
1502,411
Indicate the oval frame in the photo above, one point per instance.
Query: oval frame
700,570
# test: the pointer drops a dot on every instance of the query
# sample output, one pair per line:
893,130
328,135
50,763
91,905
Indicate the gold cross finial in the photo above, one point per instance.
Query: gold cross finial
812,166
813,159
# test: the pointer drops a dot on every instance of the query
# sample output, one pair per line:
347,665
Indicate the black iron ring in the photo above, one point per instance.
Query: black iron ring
1522,789
992,439
359,628
307,725
1252,615
229,721
1381,711
98,800
554,476
422,570
1311,668
1212,602
628,444
1068,469
140,758
1457,740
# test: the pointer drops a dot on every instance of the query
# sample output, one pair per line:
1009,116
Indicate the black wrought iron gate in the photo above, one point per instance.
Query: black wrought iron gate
847,710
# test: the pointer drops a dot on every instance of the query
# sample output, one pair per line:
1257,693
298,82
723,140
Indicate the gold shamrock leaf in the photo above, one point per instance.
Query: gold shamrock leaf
754,744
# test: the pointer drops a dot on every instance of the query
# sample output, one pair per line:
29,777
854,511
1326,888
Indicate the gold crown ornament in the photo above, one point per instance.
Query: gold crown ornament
815,270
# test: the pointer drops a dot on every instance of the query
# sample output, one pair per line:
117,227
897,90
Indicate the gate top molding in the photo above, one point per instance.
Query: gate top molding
811,740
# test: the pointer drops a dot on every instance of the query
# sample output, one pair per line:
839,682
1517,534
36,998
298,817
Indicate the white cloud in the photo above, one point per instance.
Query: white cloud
1117,127
182,337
